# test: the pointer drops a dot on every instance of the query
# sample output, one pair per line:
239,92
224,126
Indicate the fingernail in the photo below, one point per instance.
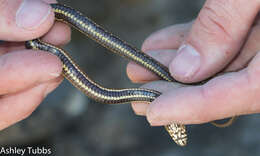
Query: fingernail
186,63
32,13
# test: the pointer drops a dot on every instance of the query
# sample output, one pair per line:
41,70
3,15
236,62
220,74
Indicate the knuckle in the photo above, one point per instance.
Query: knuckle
208,91
217,18
209,94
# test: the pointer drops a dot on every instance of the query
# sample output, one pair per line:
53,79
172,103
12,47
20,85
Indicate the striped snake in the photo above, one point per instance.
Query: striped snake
79,79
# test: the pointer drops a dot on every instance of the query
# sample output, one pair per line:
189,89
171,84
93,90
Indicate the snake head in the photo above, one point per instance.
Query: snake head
178,133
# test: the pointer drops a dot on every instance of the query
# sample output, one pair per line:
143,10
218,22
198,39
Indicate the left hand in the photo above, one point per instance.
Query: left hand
27,77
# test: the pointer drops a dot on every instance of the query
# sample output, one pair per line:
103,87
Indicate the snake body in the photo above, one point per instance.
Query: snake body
79,79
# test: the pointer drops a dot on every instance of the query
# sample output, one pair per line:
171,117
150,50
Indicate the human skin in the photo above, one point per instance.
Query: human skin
223,38
27,76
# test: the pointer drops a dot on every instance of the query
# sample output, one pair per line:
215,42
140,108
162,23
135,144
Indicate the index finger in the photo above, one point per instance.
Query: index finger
224,96
26,68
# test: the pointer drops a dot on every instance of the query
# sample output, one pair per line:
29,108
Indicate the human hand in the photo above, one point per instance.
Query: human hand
27,76
222,38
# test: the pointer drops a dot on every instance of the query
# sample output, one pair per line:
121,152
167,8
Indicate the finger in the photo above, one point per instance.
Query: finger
61,39
224,96
10,46
16,107
140,108
215,38
139,74
158,45
167,38
24,20
24,69
59,34
249,50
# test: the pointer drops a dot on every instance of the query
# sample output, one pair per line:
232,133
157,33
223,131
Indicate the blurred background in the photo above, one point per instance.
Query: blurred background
71,124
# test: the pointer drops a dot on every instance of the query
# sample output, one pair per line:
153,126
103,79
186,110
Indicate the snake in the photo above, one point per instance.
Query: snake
78,78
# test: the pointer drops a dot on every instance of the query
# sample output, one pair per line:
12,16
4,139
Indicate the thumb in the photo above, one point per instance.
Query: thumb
24,20
215,38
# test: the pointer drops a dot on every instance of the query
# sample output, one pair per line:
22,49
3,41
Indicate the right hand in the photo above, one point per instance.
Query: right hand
224,37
